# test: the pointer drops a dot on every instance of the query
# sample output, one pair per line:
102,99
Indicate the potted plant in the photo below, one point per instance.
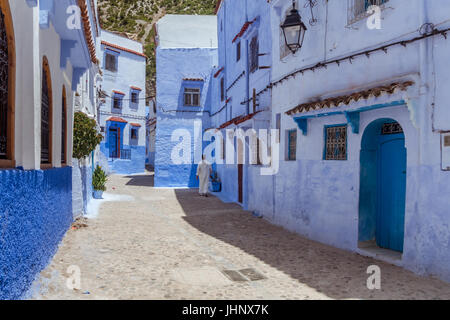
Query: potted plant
99,179
216,185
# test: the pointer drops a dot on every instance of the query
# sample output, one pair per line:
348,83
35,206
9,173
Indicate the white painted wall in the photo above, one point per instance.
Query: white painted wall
32,43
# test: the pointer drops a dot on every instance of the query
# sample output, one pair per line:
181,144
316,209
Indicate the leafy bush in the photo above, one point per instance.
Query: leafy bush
99,179
85,135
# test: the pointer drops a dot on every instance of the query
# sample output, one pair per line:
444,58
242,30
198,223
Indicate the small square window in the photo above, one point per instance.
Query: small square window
292,145
110,62
336,143
192,97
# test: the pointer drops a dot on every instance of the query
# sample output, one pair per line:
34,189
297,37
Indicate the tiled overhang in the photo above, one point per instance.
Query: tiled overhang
117,119
347,99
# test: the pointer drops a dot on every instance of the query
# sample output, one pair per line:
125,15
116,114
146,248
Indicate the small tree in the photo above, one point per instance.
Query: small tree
85,136
99,179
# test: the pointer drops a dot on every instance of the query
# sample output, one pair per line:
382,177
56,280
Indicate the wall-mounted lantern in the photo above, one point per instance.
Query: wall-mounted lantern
294,30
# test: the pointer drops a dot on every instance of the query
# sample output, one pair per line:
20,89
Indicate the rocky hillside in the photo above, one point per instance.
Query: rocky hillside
136,18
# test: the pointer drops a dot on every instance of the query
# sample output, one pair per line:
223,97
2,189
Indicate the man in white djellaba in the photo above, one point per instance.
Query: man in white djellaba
203,173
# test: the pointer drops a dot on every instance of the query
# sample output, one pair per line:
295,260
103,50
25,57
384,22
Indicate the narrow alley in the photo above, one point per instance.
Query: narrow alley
173,244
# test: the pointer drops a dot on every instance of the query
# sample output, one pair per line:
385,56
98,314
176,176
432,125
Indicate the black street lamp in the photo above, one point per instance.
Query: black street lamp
294,30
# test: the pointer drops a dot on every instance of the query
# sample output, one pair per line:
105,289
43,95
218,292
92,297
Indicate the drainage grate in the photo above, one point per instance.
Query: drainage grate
252,274
248,274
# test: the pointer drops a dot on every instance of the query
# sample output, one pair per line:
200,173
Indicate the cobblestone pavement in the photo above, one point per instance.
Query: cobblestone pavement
173,244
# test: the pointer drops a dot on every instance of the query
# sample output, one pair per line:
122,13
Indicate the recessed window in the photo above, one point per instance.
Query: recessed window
336,143
222,89
134,134
110,62
192,97
254,54
134,97
117,102
292,145
238,51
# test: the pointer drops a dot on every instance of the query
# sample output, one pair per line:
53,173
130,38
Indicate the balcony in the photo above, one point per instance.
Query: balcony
124,154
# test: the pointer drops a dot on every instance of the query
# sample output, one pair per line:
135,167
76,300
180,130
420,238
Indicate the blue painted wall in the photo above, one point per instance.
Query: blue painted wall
123,166
35,213
172,114
231,18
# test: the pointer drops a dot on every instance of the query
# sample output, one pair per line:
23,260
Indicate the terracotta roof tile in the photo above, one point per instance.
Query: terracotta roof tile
243,29
135,124
238,120
87,30
347,99
218,72
123,49
119,92
135,88
116,119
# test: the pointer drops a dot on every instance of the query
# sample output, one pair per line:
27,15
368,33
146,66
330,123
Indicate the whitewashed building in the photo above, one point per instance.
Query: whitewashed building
364,119
45,48
122,116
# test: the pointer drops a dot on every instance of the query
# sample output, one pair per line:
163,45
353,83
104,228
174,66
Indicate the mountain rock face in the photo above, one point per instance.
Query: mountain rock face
135,19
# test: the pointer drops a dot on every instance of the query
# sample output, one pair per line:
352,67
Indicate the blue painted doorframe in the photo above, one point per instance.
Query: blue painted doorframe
382,187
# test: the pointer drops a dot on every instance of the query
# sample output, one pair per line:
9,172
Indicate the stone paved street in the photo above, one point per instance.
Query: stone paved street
173,244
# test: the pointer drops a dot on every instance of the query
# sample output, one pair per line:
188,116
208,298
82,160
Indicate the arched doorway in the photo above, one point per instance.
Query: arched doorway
46,116
383,185
7,86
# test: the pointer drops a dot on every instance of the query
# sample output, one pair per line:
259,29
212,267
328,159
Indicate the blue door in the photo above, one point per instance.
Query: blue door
113,143
391,192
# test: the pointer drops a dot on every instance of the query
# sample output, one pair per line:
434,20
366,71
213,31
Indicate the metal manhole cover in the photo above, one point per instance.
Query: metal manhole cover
234,276
249,274
252,274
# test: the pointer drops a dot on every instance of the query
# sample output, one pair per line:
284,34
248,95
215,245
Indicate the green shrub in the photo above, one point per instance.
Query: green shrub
85,135
99,179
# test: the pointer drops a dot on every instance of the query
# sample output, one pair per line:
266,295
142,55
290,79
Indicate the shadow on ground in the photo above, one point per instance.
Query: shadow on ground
336,273
147,180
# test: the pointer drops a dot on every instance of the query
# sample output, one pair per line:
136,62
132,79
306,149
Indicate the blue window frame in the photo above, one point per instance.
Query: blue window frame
134,98
335,142
117,100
